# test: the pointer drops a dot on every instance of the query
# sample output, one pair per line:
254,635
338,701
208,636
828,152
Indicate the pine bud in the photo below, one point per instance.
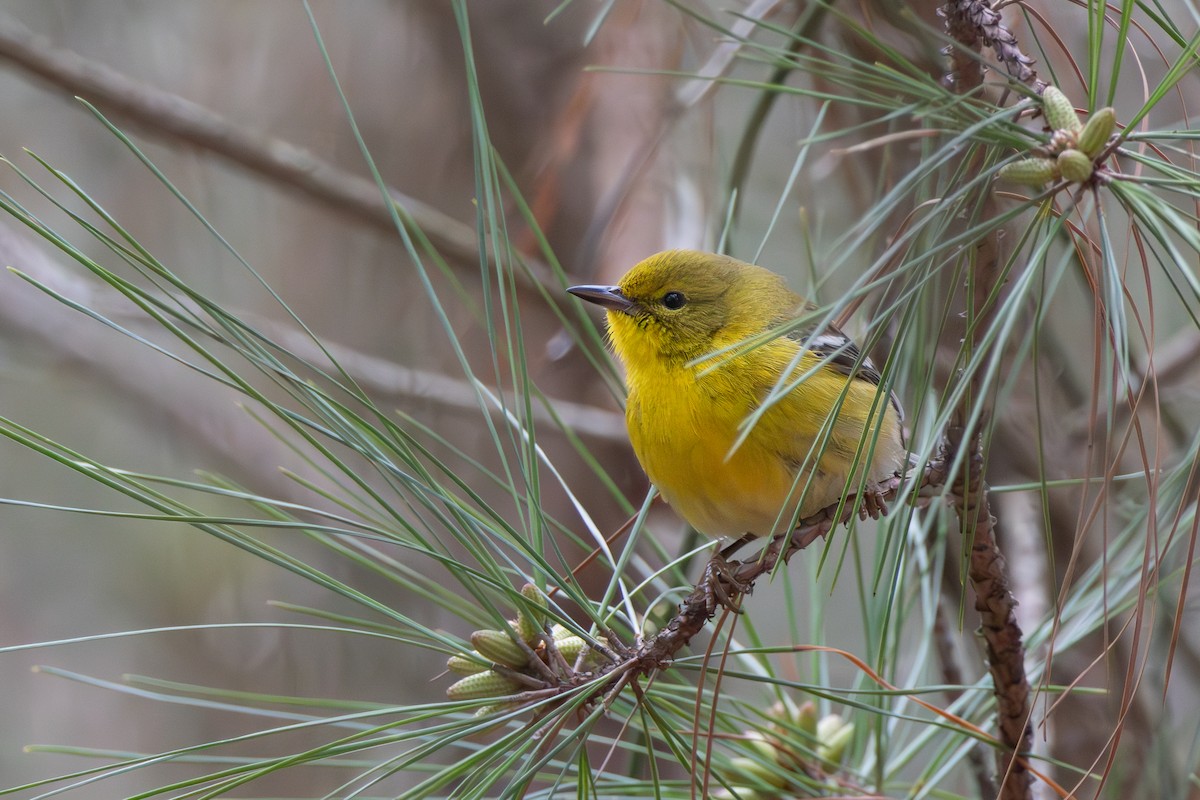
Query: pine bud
529,625
499,647
738,793
1059,111
835,735
570,647
1095,134
806,719
756,742
1075,166
1029,171
463,665
492,708
757,770
483,684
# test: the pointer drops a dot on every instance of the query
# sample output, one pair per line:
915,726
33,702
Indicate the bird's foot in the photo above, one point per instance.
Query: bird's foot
874,497
786,545
722,586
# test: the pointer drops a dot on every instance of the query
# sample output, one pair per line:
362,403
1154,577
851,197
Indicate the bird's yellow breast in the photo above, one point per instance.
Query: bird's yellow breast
683,430
685,423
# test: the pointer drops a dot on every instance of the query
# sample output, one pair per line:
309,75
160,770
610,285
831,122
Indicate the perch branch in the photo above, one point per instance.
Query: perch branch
696,610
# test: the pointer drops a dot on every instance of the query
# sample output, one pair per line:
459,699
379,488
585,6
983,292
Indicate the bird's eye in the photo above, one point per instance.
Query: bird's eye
674,300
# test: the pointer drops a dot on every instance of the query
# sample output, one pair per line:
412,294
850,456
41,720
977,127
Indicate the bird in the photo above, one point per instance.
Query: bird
693,331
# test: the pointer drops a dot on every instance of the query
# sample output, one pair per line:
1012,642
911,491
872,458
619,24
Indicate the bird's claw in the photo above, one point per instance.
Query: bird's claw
874,497
873,504
722,587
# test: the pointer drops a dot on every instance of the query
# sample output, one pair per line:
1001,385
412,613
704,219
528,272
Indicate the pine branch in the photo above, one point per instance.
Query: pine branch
738,577
954,677
1002,635
975,25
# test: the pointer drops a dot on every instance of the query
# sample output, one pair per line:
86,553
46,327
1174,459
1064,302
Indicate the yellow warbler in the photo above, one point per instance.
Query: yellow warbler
835,432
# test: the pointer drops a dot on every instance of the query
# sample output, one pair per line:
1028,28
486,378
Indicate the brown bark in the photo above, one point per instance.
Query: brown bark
974,25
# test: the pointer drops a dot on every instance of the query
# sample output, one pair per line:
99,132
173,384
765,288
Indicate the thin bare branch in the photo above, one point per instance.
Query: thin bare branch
178,120
383,378
206,413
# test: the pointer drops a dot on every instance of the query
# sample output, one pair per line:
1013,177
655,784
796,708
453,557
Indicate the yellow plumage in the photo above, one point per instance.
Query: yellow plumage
688,403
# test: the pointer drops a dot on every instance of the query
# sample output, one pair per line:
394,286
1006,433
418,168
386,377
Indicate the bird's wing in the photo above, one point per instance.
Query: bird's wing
840,353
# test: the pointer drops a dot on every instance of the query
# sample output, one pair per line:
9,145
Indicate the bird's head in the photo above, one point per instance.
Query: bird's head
680,305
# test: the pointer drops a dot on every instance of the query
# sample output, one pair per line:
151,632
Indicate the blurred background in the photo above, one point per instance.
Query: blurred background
618,158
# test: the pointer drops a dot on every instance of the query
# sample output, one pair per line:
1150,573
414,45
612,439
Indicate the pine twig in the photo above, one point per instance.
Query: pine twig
975,25
696,610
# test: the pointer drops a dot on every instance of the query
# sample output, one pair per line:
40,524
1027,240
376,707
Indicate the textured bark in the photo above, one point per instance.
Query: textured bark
1002,636
975,25
738,577
952,671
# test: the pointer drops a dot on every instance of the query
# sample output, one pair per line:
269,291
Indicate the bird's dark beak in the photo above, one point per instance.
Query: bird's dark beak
609,297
